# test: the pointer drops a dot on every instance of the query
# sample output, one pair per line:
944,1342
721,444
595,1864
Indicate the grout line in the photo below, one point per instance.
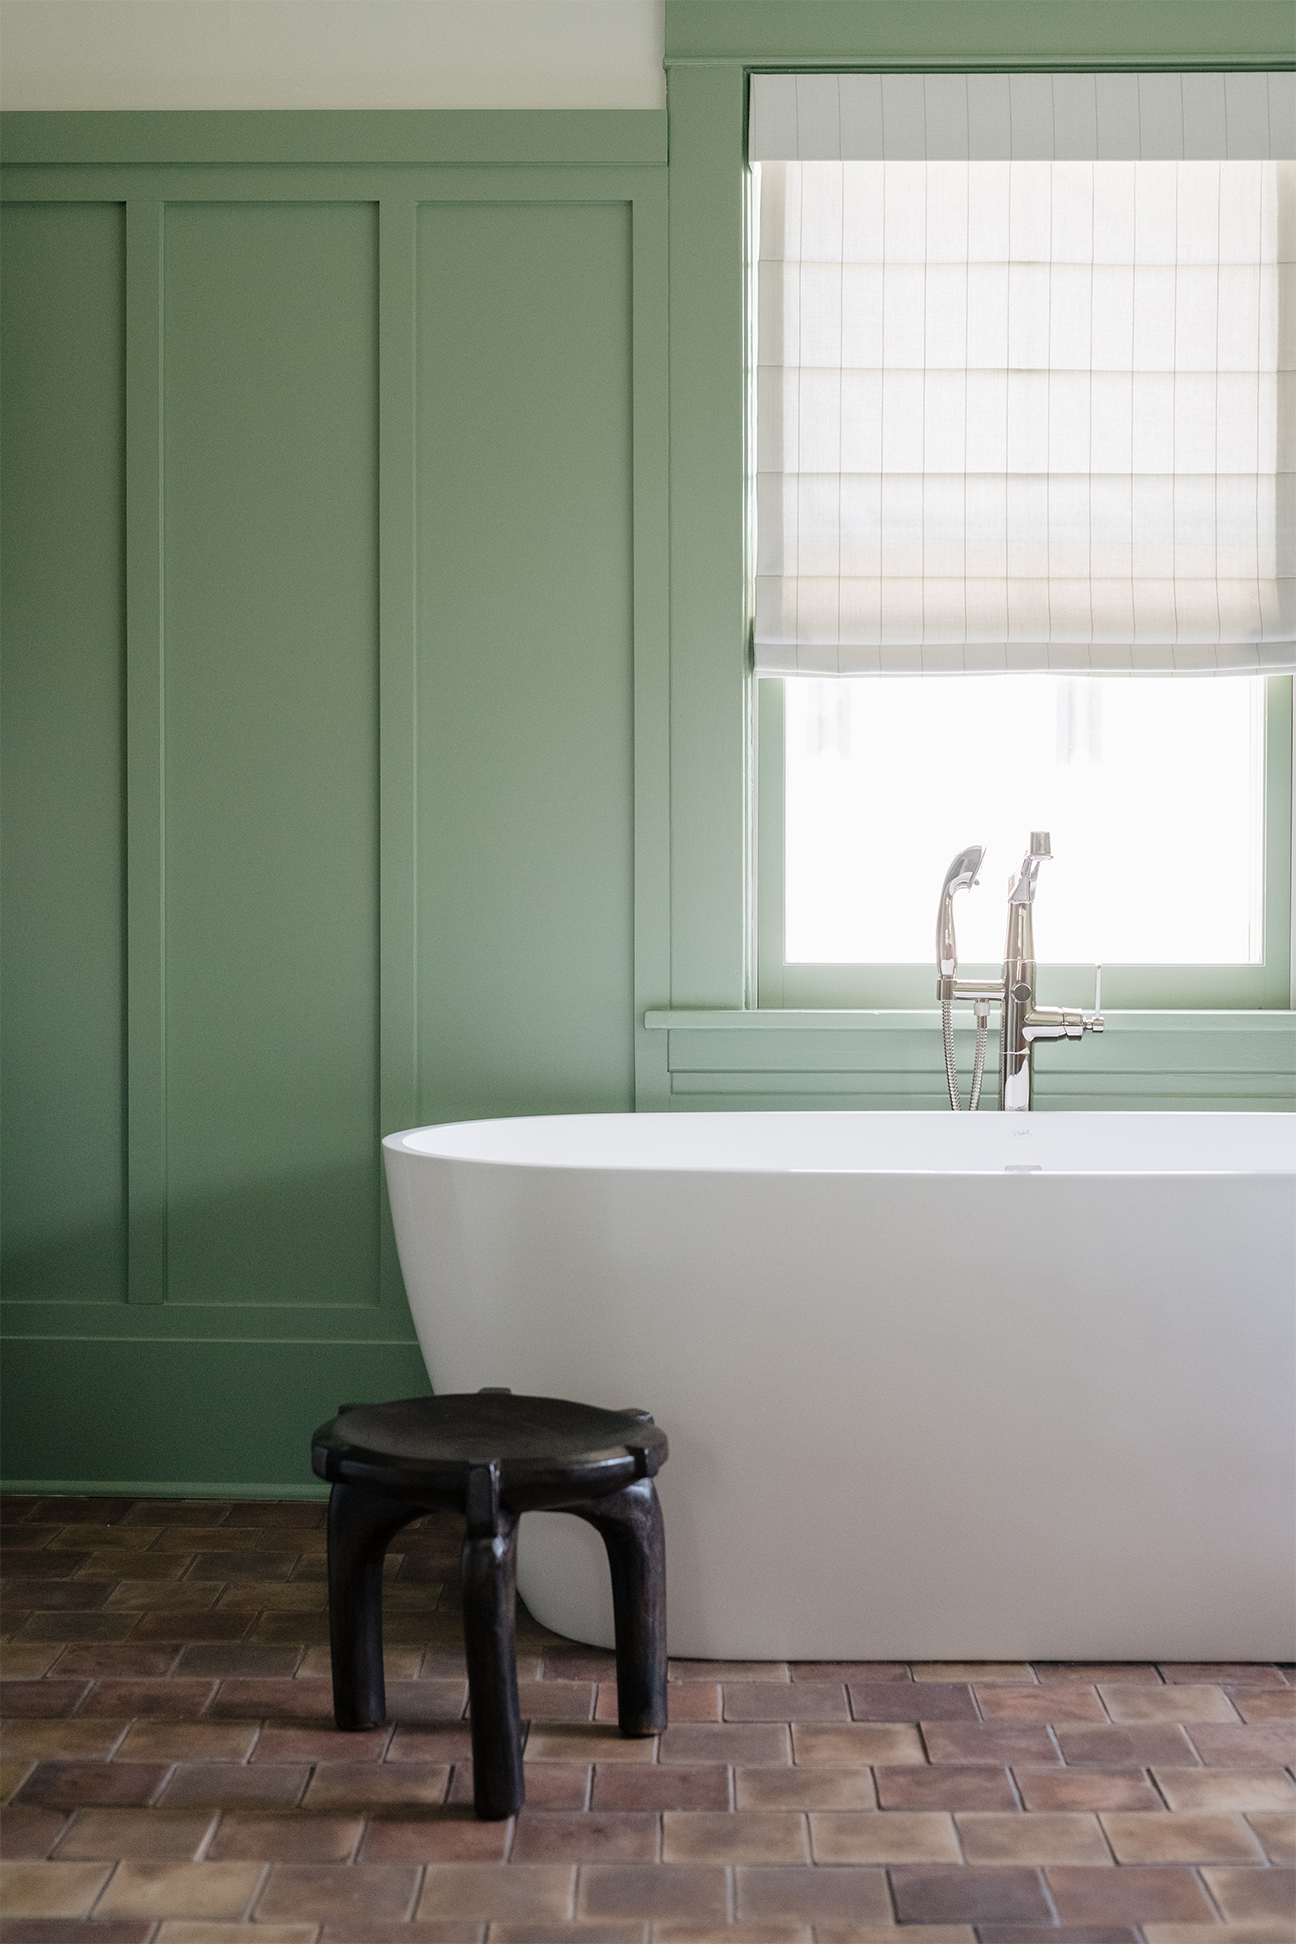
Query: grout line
1042,1875
1106,1838
103,1887
214,1823
1213,1901
64,1833
261,1886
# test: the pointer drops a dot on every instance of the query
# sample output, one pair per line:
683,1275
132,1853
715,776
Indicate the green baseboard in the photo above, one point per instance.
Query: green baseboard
167,1488
189,1420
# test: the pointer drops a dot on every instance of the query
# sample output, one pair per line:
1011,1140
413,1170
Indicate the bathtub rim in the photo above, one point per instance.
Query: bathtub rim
1280,1126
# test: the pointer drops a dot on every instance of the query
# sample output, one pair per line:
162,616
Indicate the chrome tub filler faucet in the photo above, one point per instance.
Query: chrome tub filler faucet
1022,1022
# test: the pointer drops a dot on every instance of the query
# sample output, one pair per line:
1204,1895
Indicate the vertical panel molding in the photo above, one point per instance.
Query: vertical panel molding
707,568
651,382
397,703
145,834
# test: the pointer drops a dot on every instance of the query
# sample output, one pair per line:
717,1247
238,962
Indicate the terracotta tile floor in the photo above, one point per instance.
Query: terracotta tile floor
171,1773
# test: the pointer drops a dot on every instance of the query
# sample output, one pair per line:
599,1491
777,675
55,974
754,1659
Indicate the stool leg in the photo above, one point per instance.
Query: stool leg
489,1610
361,1525
630,1523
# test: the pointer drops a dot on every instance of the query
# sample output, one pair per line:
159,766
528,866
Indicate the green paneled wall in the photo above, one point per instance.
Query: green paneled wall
322,632
63,589
374,725
271,751
525,659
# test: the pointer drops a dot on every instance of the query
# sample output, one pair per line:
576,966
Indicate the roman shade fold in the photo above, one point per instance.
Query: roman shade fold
1240,117
1025,402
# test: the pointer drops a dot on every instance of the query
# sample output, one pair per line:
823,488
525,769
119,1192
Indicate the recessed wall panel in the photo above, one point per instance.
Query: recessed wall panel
271,837
524,659
63,424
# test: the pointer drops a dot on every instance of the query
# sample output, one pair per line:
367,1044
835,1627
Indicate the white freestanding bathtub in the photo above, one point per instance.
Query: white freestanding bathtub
936,1386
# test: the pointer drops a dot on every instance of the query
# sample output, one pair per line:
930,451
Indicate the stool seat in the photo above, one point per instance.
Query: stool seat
548,1450
491,1456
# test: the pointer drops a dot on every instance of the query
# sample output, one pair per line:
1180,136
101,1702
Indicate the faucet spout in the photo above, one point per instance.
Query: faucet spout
1021,889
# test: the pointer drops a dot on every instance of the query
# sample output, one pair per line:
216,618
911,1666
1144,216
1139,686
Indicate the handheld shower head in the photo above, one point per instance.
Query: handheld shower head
961,876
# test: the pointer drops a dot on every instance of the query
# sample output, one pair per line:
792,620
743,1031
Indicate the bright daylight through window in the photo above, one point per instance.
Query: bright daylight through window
1152,792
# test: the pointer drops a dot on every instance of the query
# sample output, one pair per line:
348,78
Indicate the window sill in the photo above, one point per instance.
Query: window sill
850,1020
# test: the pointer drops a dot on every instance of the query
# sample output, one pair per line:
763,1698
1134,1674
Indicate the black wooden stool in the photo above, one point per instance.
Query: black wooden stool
492,1456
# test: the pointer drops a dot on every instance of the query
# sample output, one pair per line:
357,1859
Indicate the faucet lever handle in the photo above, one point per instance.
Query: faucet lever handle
1094,1021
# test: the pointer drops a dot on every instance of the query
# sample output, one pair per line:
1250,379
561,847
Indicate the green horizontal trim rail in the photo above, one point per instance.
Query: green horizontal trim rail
1169,1059
781,1093
693,1020
1238,1061
592,137
980,33
922,1076
160,1488
926,1088
366,1323
1280,1026
398,184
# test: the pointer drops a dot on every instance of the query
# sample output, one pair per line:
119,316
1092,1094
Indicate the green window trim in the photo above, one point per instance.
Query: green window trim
1198,988
955,34
719,757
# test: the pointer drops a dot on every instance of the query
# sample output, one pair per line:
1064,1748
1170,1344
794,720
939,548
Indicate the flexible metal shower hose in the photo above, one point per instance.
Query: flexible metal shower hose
978,1058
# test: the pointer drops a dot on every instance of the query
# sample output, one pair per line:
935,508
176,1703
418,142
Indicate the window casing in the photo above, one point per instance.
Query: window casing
909,985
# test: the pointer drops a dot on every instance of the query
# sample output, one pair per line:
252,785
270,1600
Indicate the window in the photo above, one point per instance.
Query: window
1154,794
1024,449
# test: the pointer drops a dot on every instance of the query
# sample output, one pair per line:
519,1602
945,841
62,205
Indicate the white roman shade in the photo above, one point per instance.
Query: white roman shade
1025,360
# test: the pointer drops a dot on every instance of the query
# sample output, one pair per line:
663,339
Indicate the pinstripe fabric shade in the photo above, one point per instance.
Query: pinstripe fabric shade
1026,356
